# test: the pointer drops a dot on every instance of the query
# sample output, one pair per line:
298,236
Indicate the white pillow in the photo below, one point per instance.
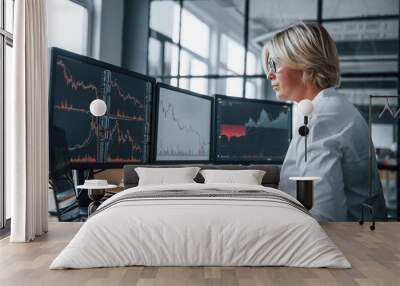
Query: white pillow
165,176
248,177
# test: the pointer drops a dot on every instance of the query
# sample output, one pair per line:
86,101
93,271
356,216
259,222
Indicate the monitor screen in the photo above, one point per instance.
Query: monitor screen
251,131
183,125
122,134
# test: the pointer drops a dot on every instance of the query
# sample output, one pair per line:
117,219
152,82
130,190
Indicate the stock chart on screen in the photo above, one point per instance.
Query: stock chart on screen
183,125
121,135
251,130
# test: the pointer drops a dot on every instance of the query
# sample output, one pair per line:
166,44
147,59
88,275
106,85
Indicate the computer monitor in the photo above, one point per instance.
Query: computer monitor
251,131
122,134
183,125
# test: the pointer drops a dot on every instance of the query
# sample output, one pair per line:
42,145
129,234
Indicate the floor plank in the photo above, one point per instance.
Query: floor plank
374,255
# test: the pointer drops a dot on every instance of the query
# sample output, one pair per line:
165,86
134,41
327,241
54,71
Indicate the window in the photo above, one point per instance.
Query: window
357,8
191,65
9,13
195,34
68,25
232,55
193,30
184,66
171,59
164,19
198,84
154,54
252,67
234,87
6,44
251,89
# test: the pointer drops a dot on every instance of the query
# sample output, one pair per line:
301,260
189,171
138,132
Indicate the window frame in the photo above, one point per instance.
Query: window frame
163,38
89,6
6,39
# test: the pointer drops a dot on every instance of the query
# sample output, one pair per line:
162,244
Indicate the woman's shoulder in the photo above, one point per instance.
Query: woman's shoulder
334,114
333,103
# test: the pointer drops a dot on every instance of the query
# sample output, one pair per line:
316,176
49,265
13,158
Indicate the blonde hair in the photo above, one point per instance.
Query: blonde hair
307,47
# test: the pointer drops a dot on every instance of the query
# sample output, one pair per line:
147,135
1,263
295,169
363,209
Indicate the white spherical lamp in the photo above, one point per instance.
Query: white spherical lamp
98,107
305,107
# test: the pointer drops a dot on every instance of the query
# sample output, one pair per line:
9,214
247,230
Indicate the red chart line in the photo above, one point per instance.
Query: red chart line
76,84
126,96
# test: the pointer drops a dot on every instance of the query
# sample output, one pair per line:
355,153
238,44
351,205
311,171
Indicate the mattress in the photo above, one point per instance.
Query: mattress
201,225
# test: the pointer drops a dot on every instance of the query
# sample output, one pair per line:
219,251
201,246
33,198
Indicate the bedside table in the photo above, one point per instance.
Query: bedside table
304,190
95,194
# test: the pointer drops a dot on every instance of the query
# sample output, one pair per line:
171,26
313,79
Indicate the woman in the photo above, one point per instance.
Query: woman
302,63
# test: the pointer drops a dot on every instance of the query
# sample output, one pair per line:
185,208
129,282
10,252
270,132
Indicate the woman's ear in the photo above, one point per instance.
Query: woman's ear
307,77
304,77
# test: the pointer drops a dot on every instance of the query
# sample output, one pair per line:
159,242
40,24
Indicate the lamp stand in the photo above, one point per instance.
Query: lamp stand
303,131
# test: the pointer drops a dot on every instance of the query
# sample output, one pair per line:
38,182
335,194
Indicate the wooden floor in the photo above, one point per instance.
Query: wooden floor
374,255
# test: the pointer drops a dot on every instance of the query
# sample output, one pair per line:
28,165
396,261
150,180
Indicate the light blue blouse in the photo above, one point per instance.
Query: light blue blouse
338,153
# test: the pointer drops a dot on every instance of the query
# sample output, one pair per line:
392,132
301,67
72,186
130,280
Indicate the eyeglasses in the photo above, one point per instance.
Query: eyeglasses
272,66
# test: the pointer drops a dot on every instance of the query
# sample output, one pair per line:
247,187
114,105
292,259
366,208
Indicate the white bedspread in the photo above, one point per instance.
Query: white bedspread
200,231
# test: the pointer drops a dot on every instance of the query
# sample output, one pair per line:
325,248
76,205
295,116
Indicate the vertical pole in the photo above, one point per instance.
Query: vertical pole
398,124
319,20
162,57
246,45
306,130
305,148
148,37
319,11
179,41
370,153
2,122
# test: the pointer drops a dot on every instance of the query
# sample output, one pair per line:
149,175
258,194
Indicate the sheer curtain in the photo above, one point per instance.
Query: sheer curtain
27,123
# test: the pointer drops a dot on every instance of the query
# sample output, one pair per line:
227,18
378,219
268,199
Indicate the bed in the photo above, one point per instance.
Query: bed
197,224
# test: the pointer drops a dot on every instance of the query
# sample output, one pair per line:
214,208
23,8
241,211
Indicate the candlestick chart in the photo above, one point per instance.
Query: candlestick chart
249,130
183,126
117,137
